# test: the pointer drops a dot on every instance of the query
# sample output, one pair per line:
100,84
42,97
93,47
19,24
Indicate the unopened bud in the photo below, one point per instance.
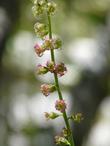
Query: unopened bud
66,132
61,141
48,44
51,7
41,69
51,66
60,105
47,89
38,8
77,117
60,69
39,50
41,29
57,43
51,115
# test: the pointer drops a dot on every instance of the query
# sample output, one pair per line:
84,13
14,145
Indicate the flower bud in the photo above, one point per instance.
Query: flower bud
52,44
39,50
47,89
51,66
57,43
51,7
77,117
60,105
41,29
66,132
51,115
48,44
60,69
38,8
41,69
61,141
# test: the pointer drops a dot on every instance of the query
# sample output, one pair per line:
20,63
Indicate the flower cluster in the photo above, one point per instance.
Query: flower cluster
47,89
47,44
41,29
38,7
51,7
41,6
62,139
50,66
60,105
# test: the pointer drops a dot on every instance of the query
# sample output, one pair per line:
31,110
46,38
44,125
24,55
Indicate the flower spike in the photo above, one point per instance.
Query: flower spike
50,43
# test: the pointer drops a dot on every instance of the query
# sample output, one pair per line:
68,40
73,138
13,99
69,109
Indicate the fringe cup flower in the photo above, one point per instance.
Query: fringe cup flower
39,50
60,69
41,29
65,132
59,140
77,117
51,7
51,66
41,69
60,105
51,115
52,44
57,43
38,8
47,89
47,45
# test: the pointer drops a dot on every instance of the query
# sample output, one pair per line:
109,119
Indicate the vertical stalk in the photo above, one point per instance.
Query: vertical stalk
57,82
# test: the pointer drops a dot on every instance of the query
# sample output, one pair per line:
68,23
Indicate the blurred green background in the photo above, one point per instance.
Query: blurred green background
84,27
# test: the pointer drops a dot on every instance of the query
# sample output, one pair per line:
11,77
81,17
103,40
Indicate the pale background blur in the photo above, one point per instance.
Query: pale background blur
84,27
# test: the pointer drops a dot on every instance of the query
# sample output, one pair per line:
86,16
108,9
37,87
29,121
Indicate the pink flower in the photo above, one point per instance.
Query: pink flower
60,69
39,50
60,105
47,89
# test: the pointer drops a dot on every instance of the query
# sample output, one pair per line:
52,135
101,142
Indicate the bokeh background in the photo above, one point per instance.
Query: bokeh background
84,27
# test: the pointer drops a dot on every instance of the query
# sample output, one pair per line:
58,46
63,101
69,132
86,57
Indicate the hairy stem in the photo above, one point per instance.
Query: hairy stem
57,82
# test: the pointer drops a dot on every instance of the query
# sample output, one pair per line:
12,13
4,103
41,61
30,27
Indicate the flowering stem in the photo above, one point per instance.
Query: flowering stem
53,58
57,82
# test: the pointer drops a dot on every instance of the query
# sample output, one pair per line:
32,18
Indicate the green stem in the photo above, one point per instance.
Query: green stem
57,82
